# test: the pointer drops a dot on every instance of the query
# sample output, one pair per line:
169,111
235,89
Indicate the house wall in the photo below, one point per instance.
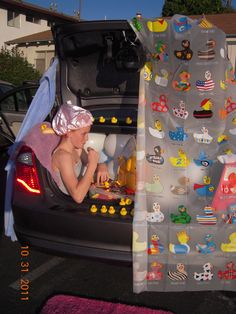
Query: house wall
25,28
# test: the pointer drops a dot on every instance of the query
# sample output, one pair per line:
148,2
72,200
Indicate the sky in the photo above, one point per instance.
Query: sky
105,9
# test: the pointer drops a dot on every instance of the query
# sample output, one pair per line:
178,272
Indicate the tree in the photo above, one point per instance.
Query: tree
195,7
15,69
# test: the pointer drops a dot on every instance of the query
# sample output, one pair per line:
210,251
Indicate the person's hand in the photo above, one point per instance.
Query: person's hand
102,173
93,156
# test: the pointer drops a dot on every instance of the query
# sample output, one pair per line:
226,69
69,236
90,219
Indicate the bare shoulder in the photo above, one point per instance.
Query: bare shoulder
61,157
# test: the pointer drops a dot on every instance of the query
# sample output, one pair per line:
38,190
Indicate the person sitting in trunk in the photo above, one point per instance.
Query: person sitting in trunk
73,124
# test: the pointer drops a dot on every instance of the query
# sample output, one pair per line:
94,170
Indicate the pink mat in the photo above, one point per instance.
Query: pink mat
63,304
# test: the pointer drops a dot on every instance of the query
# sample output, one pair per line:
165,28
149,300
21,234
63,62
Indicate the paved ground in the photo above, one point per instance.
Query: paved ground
49,275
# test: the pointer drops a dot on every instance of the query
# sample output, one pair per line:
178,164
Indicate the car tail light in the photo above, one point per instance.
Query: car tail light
26,171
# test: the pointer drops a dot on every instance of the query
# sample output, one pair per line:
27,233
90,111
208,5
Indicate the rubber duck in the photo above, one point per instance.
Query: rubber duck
160,106
208,52
186,53
181,161
157,157
230,218
229,273
156,215
137,274
138,246
157,26
155,273
162,80
183,247
128,120
155,247
231,246
205,85
180,112
204,23
102,119
181,189
205,189
233,131
111,210
183,85
181,25
147,74
114,120
206,275
156,186
178,275
182,218
137,24
103,209
122,202
208,247
157,131
229,106
209,218
204,137
159,53
222,139
178,135
203,160
123,211
128,201
93,209
132,212
206,111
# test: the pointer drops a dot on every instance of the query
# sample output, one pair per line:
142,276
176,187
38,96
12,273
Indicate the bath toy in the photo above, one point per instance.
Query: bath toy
162,80
138,275
180,112
111,210
157,26
183,85
159,54
207,273
160,106
155,247
156,186
158,131
206,112
123,211
103,209
207,84
114,120
228,185
182,217
138,246
208,247
178,275
128,120
209,218
186,53
102,119
157,157
155,273
181,189
178,135
183,247
205,189
229,106
222,139
231,246
182,25
204,23
204,137
208,52
229,273
230,218
202,160
137,24
147,71
93,209
181,161
156,215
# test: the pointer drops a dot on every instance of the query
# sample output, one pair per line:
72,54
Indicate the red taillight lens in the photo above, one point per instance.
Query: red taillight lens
26,171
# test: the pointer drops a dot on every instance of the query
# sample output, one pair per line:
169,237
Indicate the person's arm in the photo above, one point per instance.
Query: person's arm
76,188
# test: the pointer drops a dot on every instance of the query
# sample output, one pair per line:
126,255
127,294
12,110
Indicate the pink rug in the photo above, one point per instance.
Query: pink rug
63,304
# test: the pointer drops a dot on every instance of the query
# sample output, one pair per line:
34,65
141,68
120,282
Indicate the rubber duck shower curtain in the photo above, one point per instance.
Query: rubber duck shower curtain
184,228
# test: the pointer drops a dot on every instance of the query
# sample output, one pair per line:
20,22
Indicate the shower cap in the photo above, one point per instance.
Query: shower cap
69,118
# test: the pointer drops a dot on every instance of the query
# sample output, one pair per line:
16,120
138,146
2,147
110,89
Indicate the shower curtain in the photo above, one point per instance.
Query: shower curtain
184,227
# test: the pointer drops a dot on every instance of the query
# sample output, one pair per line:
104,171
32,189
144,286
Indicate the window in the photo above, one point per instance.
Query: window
8,104
32,19
13,19
21,101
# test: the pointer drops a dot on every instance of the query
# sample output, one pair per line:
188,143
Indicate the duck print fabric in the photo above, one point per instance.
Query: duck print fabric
184,227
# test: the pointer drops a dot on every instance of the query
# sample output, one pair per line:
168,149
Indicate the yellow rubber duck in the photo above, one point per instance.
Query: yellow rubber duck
122,202
102,119
103,209
231,246
138,246
157,26
106,184
123,211
234,120
132,212
111,210
128,120
128,201
93,209
181,161
114,120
